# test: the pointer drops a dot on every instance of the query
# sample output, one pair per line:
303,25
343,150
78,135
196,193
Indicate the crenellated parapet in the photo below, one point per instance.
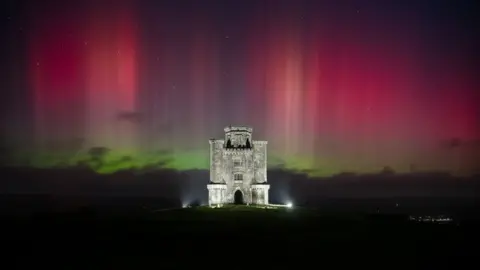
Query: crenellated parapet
238,129
260,186
260,142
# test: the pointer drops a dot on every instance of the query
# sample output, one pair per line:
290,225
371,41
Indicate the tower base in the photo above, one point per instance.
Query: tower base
259,193
216,194
219,194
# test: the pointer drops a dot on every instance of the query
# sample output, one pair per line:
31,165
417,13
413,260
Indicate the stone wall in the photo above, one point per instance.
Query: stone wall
216,161
260,194
260,161
216,193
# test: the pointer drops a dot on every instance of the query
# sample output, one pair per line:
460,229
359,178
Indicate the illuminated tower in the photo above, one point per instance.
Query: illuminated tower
238,168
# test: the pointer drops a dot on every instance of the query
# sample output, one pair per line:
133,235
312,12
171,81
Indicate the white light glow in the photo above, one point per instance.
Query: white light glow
289,205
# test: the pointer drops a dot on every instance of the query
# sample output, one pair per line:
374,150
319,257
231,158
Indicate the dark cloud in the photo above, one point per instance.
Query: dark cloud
285,184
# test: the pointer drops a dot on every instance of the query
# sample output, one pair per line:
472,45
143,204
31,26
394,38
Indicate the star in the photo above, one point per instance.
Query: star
227,37
85,42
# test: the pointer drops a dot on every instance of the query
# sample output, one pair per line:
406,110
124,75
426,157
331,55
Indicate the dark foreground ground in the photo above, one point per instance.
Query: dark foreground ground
235,237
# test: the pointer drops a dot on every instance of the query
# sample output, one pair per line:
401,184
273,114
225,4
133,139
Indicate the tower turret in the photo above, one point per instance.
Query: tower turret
238,137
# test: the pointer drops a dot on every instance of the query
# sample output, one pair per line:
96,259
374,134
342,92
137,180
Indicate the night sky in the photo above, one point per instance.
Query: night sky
334,86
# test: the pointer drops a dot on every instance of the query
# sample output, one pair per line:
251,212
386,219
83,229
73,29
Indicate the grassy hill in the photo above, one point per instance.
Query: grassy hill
196,236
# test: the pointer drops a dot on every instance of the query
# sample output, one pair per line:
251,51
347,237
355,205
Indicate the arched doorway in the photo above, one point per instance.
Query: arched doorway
238,197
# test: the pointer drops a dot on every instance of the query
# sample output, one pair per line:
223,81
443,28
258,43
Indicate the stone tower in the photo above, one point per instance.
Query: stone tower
238,169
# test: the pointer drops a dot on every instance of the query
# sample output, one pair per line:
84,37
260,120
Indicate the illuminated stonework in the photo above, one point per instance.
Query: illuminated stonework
238,169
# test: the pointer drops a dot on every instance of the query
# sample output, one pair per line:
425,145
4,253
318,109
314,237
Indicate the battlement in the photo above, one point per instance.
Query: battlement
260,186
238,129
219,141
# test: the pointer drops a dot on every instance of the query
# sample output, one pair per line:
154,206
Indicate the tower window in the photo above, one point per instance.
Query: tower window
238,177
237,163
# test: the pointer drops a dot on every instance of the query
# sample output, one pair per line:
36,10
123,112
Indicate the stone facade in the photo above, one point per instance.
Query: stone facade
238,168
